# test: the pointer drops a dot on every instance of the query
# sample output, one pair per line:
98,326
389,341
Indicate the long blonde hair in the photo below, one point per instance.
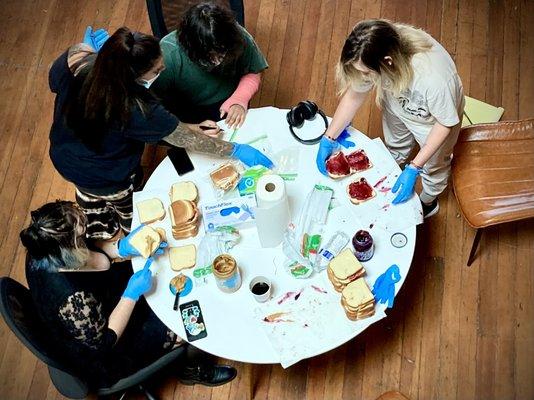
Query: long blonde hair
370,42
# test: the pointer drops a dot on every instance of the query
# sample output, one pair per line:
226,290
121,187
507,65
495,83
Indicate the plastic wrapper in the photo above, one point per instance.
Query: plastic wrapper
286,163
303,240
249,179
224,179
214,243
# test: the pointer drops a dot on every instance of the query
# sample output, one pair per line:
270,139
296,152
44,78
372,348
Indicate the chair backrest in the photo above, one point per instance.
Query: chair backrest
18,310
165,15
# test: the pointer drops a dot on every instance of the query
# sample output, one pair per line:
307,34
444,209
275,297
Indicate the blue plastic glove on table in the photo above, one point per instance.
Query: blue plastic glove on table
140,282
384,287
250,156
343,139
125,249
406,183
326,148
95,39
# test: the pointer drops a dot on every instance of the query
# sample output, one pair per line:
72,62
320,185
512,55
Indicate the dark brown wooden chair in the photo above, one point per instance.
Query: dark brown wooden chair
165,15
493,174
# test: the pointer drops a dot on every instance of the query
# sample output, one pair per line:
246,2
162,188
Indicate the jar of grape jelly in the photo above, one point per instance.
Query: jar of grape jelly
226,272
364,247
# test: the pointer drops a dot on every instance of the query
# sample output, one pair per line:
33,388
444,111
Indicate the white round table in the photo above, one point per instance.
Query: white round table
233,331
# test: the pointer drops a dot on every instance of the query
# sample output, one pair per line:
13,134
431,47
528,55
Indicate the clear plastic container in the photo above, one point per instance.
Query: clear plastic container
332,248
226,273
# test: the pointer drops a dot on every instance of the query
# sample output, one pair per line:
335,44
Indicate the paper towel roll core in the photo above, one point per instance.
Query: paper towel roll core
272,212
270,189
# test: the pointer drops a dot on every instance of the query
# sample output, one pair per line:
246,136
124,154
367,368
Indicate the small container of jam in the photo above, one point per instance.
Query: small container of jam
364,247
226,273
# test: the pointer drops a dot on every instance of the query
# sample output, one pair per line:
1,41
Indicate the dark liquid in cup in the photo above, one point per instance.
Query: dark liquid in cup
260,288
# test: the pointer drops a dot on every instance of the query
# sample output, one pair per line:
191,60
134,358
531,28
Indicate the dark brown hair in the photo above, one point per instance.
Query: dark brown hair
55,237
208,29
104,94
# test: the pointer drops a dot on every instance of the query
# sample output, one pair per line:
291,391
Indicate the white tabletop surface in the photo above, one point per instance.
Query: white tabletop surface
233,333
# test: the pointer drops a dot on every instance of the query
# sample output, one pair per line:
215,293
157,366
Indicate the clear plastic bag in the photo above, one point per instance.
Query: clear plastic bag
224,179
286,163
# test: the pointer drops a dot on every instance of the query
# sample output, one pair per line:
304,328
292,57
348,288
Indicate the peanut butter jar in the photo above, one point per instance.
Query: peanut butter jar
226,273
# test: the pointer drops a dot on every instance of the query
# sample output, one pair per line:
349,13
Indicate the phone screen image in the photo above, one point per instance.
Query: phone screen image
193,320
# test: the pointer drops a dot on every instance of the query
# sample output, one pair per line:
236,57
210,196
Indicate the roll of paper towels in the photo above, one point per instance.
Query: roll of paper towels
272,211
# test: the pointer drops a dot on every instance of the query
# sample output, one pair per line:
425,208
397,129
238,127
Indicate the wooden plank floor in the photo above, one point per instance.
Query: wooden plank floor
455,332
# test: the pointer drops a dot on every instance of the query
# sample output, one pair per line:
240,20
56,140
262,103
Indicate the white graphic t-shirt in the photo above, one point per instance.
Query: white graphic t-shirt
435,94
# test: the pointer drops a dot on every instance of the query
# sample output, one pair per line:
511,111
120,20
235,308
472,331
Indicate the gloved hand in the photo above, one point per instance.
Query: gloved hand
125,248
250,156
384,287
140,282
405,182
95,39
326,148
343,139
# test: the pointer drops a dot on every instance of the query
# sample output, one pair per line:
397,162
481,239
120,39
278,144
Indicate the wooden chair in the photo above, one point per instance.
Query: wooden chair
165,15
493,174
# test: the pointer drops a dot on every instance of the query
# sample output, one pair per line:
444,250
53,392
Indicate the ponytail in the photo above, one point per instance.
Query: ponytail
104,97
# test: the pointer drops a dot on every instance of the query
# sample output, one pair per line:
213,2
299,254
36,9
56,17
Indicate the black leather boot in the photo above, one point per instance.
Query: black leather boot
207,375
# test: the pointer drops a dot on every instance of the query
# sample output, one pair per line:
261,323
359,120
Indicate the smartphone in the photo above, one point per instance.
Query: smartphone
181,161
193,321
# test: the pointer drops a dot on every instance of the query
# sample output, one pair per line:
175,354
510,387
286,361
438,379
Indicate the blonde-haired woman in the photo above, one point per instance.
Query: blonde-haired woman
421,97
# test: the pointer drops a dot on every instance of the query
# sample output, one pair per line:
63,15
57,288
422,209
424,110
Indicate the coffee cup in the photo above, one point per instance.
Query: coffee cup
260,287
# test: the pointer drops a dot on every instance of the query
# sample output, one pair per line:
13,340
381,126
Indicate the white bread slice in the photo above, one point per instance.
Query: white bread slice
183,257
336,176
357,294
184,191
162,234
345,265
146,241
150,210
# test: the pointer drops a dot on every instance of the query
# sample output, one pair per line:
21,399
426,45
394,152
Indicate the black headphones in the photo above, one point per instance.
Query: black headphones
305,111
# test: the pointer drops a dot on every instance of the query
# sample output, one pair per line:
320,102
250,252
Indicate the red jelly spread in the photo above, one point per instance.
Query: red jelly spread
338,165
360,190
358,161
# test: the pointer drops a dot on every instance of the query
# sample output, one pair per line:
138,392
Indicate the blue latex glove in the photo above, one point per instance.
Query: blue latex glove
140,282
326,148
125,248
343,139
95,39
384,287
406,183
250,156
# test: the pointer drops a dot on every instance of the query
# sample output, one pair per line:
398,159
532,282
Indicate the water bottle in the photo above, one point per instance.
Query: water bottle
334,246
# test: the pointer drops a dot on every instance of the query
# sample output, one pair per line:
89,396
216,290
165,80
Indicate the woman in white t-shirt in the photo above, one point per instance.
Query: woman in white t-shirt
421,97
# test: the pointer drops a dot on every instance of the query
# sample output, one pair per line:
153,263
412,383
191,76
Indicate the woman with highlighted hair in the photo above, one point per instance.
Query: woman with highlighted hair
93,308
421,97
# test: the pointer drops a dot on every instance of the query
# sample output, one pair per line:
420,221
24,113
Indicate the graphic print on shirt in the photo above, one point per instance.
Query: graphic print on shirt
414,104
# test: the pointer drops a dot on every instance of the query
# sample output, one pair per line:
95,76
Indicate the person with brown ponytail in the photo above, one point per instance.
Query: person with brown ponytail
89,301
104,113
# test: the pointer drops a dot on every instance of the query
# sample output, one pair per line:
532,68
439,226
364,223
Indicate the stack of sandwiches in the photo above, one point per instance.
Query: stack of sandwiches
343,269
185,216
357,300
345,272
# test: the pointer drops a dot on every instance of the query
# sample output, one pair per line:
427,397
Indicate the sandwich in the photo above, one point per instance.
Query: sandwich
146,240
357,300
343,269
185,219
358,161
337,166
150,210
183,191
225,177
183,257
360,191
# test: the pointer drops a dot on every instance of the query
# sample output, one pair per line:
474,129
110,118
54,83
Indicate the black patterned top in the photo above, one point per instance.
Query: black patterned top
75,307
